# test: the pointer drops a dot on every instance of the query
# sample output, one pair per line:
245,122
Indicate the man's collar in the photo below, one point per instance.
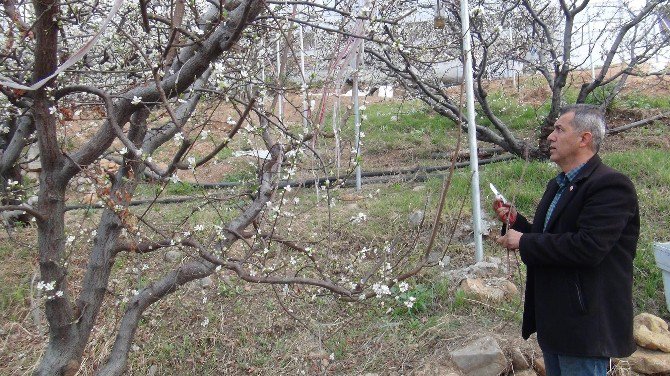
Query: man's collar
578,172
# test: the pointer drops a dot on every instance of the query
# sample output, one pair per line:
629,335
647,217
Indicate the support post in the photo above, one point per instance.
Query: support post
472,132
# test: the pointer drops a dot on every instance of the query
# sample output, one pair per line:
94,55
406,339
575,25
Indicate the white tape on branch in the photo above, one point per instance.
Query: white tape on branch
4,81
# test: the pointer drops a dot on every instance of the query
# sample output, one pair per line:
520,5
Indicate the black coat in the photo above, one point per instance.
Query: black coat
580,271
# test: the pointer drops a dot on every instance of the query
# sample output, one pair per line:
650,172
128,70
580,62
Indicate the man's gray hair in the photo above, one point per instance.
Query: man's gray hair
588,118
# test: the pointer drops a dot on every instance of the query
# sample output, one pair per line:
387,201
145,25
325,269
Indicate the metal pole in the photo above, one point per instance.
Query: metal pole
357,120
336,127
280,91
304,81
472,133
592,46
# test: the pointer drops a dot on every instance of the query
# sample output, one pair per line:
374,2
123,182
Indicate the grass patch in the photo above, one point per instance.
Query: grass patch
516,115
642,101
15,286
397,126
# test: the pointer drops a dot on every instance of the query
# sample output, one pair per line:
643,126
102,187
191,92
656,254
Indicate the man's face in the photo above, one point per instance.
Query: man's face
564,142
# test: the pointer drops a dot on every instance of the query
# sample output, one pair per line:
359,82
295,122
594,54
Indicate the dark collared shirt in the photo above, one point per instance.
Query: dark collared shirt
563,179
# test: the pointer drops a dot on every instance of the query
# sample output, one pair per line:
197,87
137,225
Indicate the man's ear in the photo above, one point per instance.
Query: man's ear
586,139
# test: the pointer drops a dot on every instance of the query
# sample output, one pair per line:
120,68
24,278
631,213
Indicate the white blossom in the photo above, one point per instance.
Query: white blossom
360,217
410,302
46,286
381,289
178,138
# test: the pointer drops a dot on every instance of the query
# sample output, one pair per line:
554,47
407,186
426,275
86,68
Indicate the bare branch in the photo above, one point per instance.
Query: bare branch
21,208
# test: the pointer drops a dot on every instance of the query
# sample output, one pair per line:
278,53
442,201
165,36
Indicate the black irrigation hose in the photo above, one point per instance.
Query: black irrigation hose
373,177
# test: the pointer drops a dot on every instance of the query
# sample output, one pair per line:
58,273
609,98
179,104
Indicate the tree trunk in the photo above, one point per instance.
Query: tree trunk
64,350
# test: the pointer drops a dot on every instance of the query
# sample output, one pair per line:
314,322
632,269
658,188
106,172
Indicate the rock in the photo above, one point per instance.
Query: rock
654,323
539,367
651,332
519,362
436,257
481,357
526,372
649,362
416,217
152,370
109,166
419,188
172,256
206,282
492,289
487,268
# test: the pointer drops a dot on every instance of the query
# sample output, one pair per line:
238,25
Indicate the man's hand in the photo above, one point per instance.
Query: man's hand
510,240
503,211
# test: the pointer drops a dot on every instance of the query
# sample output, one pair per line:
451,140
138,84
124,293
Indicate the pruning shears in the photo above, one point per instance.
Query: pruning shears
498,195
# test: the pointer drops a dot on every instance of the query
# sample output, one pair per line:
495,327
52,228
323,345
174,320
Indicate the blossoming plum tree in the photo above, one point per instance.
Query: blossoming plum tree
155,73
541,36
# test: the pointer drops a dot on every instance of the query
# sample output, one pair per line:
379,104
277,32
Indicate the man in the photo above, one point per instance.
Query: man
579,253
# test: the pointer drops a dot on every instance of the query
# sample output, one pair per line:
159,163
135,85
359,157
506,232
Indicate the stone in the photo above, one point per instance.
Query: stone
419,188
435,257
487,268
206,282
526,372
654,323
109,166
481,357
519,361
172,256
416,217
651,332
649,362
152,370
539,367
491,289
